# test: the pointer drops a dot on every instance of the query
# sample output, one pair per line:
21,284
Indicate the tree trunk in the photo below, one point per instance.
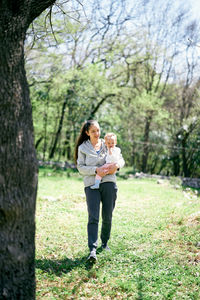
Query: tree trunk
186,157
38,142
186,171
146,141
51,155
45,122
67,147
18,175
176,163
18,163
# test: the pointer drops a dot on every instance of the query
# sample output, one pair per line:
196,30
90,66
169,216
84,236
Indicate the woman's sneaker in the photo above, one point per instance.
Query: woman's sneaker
92,258
105,247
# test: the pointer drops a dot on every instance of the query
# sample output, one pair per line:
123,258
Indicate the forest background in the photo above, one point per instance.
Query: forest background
133,66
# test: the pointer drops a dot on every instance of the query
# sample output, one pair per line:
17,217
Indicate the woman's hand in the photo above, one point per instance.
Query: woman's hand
102,171
112,168
107,169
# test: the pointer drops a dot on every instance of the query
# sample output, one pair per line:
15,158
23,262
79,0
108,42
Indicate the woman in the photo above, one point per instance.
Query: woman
90,155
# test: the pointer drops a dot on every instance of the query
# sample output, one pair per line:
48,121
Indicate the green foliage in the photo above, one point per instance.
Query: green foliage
125,77
176,181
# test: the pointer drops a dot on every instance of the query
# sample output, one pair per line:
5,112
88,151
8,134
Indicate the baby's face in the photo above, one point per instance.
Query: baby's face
110,142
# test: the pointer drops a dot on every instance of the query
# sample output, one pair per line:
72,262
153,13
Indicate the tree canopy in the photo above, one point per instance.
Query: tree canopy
133,67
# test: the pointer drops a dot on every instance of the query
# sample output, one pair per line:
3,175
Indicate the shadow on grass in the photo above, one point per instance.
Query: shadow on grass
65,265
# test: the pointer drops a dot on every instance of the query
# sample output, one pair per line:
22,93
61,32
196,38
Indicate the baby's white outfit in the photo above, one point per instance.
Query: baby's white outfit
114,157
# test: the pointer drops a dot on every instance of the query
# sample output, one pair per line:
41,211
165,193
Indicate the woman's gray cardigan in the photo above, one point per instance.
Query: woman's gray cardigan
88,160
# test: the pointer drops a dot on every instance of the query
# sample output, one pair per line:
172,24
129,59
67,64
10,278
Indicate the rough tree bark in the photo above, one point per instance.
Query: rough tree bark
18,163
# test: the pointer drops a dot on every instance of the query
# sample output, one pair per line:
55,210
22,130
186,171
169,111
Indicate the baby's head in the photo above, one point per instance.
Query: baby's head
110,139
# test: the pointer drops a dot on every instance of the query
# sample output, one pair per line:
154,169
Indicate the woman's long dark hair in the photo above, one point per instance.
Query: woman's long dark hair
83,136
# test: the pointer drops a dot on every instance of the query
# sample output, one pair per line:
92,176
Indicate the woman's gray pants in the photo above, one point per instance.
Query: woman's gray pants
107,194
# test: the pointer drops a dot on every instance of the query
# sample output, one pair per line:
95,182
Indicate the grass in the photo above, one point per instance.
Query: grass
155,235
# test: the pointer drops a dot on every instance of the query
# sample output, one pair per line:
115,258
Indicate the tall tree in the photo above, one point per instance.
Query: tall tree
18,164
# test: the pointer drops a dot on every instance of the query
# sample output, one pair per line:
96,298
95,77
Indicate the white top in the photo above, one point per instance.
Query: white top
114,157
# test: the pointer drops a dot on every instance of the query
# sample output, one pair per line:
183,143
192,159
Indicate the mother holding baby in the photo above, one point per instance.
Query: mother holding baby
90,154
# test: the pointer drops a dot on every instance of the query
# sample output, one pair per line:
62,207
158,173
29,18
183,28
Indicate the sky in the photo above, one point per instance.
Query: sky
195,6
195,10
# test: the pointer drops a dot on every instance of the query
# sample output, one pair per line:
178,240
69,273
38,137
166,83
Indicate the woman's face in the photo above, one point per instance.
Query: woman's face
94,132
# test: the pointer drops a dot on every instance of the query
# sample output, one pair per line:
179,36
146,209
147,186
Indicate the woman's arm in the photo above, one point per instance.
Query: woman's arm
81,165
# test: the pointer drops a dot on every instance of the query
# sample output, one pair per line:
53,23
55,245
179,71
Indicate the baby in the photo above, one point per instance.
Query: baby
113,155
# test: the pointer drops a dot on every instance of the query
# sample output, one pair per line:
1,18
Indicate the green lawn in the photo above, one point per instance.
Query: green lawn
155,235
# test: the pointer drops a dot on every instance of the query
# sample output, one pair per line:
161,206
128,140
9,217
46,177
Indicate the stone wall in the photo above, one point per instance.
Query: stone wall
191,182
